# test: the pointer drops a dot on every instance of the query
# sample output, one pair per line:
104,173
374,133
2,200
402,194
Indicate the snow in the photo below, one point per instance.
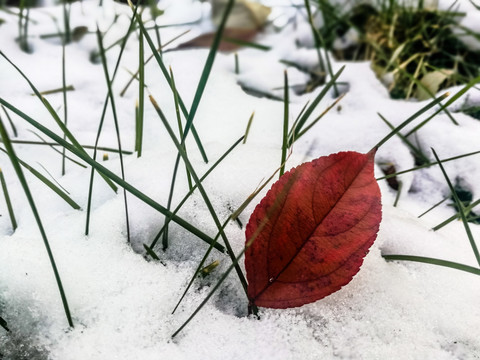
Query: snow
121,303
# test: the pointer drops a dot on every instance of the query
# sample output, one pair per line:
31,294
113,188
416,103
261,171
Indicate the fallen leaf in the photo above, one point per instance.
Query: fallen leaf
308,236
227,43
432,82
245,14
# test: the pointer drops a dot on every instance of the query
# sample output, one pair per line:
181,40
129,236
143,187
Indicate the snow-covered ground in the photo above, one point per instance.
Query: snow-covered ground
121,304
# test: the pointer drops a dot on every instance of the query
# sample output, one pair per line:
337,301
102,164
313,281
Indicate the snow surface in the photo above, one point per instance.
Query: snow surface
122,304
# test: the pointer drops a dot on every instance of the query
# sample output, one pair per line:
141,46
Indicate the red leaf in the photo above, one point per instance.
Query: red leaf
312,230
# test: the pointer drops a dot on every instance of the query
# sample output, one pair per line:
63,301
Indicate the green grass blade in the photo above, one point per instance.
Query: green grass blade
237,64
399,191
7,201
135,75
64,81
179,121
461,209
57,90
102,119
177,162
48,183
456,216
112,176
306,114
418,153
52,144
66,22
169,203
337,100
433,207
117,129
299,116
199,267
427,165
151,252
439,262
315,34
12,125
23,181
320,42
210,294
247,130
207,68
141,94
410,119
286,103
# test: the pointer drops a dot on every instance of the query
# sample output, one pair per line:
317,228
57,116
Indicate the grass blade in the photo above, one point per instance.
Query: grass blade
47,182
320,42
134,76
14,129
337,100
179,121
286,103
177,161
23,181
115,119
399,191
439,262
247,130
141,95
7,201
456,216
410,119
306,114
417,152
102,119
64,82
199,267
427,165
461,209
433,207
207,68
52,144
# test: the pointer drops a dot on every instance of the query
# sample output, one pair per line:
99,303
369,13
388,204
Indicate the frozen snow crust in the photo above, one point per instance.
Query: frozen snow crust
122,304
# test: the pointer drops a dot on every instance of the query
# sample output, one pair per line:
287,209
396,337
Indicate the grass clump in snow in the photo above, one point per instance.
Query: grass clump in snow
414,50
